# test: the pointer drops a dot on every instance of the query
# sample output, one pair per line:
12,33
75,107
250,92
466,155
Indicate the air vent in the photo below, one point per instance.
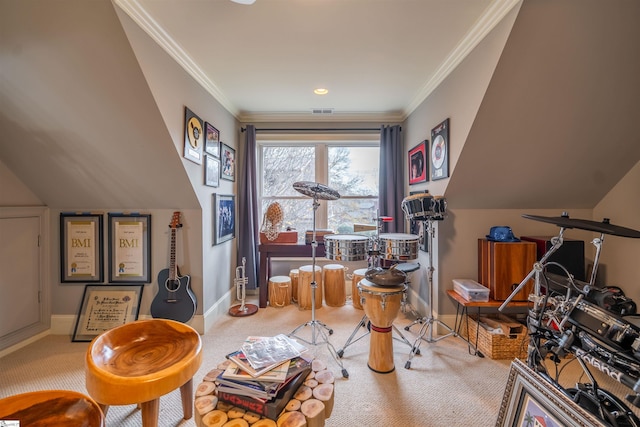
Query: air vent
322,111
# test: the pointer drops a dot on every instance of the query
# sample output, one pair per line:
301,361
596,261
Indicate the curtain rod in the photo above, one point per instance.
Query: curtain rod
316,130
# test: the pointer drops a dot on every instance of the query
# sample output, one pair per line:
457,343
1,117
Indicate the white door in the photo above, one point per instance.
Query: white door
20,263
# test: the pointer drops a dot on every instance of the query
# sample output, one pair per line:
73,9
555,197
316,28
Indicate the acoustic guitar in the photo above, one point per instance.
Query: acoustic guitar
175,300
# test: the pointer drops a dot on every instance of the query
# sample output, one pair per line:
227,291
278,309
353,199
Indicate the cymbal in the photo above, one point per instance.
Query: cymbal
315,190
604,227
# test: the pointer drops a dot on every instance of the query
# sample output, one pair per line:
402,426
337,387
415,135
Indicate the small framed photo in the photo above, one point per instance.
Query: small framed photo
228,160
81,247
417,163
211,171
224,218
440,151
104,307
211,140
129,248
193,136
530,400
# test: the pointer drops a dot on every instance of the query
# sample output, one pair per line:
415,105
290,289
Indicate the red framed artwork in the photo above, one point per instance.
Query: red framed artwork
418,166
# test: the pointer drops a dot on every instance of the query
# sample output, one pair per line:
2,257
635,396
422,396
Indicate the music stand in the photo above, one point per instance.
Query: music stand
318,329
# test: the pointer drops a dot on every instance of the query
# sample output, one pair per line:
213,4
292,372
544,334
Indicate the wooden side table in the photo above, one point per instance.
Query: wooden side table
284,250
462,313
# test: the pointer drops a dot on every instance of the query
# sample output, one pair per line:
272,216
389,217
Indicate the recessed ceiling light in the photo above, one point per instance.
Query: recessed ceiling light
321,91
244,1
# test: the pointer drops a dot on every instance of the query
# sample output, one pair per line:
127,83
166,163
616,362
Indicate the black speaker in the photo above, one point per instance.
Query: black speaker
570,255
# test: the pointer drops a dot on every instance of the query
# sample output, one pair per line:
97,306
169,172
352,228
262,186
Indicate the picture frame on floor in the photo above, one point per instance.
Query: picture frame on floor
531,400
104,307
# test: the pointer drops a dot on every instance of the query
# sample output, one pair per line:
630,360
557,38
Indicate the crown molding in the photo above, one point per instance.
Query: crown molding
494,13
166,42
305,116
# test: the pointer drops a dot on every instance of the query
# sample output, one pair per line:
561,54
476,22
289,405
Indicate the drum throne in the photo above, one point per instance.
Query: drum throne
138,362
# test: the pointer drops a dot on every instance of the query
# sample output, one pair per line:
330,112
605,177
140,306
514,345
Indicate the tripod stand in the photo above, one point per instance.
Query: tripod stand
318,329
429,321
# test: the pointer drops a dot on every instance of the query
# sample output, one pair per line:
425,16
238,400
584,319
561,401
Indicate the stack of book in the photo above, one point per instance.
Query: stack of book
263,375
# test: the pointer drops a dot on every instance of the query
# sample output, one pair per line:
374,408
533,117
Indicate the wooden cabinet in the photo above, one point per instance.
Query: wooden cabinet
503,265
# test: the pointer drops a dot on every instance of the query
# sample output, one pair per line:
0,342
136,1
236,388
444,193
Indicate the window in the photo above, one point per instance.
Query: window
349,167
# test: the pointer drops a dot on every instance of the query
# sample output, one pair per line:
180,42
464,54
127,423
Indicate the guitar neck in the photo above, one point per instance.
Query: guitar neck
173,270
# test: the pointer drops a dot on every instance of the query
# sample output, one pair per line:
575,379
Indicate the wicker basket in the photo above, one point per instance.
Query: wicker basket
496,346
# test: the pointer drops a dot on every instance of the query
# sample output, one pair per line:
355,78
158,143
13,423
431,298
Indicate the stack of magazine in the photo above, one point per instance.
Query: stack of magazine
263,374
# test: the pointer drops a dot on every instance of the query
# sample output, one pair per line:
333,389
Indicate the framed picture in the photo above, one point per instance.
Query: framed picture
129,248
211,140
417,163
228,159
211,171
104,307
440,151
530,400
81,247
193,136
224,218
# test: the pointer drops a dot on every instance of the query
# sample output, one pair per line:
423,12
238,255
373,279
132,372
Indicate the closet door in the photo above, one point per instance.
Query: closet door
21,313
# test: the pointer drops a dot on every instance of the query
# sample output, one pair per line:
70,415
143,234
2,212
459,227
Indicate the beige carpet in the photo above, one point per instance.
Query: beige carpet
446,386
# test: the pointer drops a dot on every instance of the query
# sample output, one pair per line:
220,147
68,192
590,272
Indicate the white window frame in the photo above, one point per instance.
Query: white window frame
321,142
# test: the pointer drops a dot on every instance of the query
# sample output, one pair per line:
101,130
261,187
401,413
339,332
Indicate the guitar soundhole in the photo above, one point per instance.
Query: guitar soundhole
172,286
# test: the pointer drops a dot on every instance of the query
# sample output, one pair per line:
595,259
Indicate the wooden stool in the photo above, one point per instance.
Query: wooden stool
52,408
279,291
138,362
294,274
356,277
304,286
335,293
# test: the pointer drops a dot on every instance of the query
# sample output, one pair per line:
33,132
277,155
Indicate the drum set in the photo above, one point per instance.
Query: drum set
568,318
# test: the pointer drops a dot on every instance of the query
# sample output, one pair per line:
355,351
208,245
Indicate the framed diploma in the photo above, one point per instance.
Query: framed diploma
104,307
81,247
129,248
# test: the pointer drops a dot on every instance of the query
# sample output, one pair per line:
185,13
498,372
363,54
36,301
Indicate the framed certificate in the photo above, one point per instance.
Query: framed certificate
81,247
129,248
104,307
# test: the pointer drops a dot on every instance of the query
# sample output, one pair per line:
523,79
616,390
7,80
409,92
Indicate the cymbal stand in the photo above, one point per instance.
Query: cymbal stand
429,321
318,329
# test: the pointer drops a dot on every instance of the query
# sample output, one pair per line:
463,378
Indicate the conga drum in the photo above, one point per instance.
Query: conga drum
381,305
304,286
279,291
356,277
294,275
335,292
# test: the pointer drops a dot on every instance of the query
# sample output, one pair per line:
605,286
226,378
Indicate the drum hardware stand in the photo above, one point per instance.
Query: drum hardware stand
428,321
318,329
364,323
241,284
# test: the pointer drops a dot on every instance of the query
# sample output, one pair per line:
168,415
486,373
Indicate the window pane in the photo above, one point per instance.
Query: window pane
343,213
353,171
282,166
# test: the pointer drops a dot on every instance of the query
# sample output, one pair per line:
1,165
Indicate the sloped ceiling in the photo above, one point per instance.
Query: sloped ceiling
559,125
79,125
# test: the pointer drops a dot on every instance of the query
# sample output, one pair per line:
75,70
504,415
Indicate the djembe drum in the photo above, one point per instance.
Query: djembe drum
304,286
356,277
335,292
381,305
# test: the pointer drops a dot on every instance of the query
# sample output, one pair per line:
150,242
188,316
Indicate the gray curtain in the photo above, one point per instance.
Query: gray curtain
248,224
391,178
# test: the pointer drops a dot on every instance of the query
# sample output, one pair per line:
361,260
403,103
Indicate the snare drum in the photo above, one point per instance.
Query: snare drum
346,247
398,246
381,305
